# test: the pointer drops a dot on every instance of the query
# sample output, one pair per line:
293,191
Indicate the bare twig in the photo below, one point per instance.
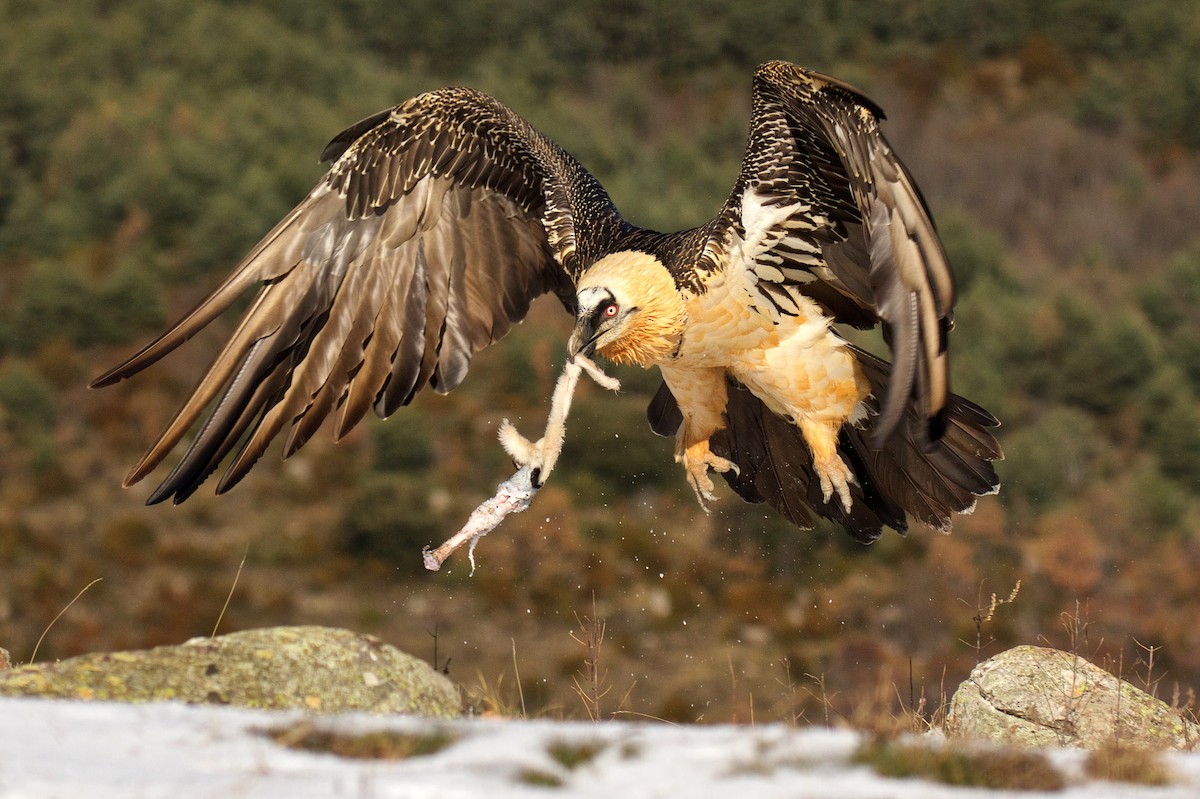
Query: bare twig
1117,710
1150,682
594,686
624,699
535,461
445,667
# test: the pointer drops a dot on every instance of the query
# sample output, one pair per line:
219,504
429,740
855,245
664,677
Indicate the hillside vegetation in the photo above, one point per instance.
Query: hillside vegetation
146,145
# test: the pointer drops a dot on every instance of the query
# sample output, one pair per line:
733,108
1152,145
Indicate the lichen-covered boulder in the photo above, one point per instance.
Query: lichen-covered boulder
310,668
1036,696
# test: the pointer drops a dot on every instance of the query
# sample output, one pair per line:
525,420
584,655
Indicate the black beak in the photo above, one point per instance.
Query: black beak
583,338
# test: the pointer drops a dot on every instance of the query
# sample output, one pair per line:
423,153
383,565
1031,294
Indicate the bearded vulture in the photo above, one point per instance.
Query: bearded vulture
443,218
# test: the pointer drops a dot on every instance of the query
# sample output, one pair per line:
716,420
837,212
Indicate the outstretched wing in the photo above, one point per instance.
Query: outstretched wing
438,224
824,208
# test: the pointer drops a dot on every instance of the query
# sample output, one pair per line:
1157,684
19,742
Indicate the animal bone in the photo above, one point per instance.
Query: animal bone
535,461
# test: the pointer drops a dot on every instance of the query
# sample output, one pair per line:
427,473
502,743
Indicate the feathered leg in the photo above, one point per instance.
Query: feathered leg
832,471
701,394
813,380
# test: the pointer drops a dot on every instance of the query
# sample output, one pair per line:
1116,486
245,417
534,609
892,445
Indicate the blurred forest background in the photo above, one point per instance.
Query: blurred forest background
145,145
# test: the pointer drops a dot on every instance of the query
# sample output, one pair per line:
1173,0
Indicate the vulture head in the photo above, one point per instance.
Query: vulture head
629,310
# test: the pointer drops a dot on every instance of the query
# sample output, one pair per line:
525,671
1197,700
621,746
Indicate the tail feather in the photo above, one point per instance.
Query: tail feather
909,477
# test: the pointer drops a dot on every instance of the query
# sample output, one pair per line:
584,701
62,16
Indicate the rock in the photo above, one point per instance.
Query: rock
308,668
1035,696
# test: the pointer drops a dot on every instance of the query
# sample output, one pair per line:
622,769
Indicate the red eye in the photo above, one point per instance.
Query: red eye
610,310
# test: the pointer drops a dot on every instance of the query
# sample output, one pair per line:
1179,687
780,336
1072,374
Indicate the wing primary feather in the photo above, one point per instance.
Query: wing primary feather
437,284
269,359
402,382
250,271
224,417
379,352
454,346
367,297
260,321
267,393
335,299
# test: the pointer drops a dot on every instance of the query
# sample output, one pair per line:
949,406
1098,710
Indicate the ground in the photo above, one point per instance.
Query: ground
51,748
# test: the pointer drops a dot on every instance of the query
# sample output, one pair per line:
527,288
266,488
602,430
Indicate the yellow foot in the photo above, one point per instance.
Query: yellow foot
835,475
697,460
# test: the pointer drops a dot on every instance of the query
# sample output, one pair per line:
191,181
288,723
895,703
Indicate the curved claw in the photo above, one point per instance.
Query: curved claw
835,475
697,460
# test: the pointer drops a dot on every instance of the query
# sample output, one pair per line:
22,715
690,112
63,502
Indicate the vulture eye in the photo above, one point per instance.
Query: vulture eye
610,310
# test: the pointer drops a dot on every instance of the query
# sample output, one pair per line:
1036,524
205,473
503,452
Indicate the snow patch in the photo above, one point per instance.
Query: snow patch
51,748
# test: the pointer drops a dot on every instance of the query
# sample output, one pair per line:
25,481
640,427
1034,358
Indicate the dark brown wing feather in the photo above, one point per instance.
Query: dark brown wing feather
775,466
663,412
438,224
823,207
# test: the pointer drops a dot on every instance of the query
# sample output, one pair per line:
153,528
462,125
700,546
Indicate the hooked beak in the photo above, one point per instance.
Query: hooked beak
583,338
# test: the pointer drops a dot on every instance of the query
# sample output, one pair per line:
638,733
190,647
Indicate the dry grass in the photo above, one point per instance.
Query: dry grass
1127,764
573,754
492,699
377,745
42,637
538,778
1011,769
985,612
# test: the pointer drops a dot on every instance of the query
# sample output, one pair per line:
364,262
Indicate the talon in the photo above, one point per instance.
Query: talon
697,460
835,475
703,486
831,470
